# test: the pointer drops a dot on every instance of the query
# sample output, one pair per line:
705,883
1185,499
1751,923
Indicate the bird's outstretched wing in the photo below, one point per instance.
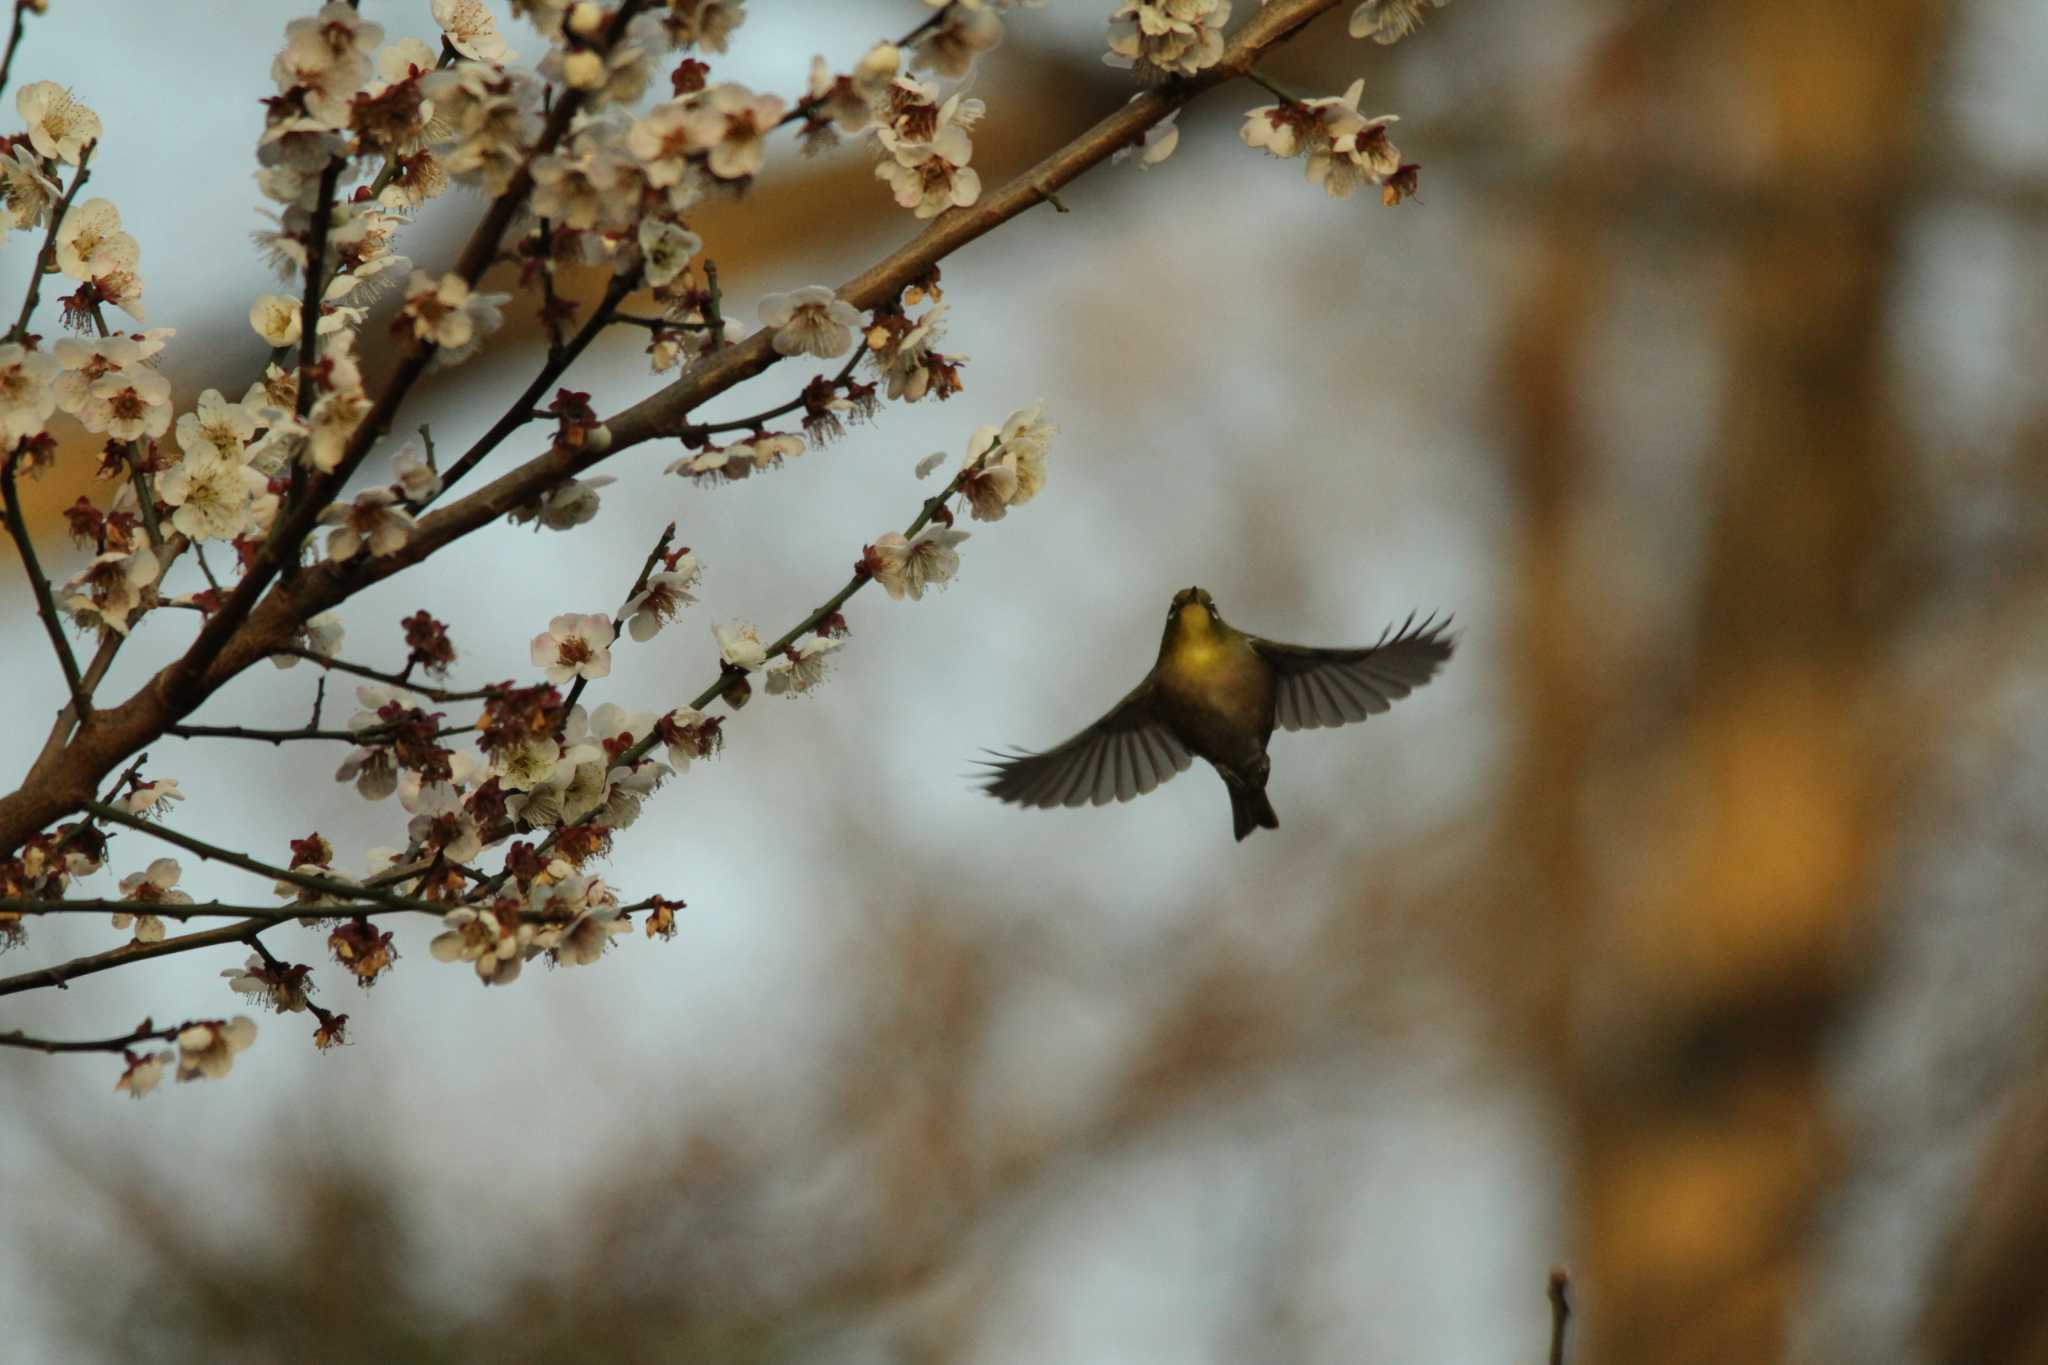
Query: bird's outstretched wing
1125,754
1325,687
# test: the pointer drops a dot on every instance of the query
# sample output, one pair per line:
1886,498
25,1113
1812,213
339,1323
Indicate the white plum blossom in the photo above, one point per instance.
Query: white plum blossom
812,320
740,645
440,821
90,240
28,394
689,736
931,177
326,58
666,594
111,588
206,1051
447,313
930,462
276,987
332,424
666,250
144,1073
213,498
276,318
563,507
91,246
156,886
585,190
1164,38
906,567
732,122
152,798
471,30
850,100
1389,21
963,32
320,635
519,767
904,357
478,936
375,521
703,24
1345,149
486,118
417,479
215,429
574,646
127,405
800,666
26,194
914,115
1159,142
58,124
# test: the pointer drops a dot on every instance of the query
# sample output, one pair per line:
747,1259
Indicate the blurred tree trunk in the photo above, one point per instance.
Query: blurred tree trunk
1701,938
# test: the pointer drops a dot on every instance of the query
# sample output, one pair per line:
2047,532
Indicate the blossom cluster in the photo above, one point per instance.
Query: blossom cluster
1344,148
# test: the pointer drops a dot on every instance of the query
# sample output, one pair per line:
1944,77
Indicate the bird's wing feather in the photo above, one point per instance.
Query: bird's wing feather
1124,755
1327,687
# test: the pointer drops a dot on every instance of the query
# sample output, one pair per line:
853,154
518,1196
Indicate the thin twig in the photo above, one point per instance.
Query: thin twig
779,410
717,689
263,914
714,304
1560,1312
309,329
524,407
183,680
809,105
639,585
215,853
49,252
65,972
120,1044
1275,91
46,601
379,675
13,40
372,735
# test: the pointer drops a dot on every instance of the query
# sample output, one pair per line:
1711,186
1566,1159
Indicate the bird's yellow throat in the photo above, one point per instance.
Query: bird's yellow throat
1198,646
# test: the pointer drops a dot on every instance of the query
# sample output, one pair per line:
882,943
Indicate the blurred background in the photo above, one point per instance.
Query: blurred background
1688,931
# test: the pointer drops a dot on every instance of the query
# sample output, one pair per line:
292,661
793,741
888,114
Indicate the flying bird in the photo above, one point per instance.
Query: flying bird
1217,693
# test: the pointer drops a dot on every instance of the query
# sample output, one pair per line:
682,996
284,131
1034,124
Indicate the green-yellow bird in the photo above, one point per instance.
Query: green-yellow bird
1217,693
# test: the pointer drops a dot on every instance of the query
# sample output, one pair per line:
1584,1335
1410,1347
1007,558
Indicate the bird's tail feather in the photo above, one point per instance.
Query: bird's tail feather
1250,809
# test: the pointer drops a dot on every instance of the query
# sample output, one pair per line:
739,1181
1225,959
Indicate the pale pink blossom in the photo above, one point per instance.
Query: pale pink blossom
907,568
111,588
812,320
206,1051
574,646
375,521
666,594
800,666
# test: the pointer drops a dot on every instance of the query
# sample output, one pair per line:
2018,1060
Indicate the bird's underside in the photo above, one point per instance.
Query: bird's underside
1148,737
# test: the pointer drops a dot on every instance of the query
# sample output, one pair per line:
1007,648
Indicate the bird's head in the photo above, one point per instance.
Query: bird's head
1193,611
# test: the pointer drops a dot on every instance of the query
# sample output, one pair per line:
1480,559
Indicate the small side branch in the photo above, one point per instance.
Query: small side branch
1560,1312
46,601
48,255
144,1034
328,886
